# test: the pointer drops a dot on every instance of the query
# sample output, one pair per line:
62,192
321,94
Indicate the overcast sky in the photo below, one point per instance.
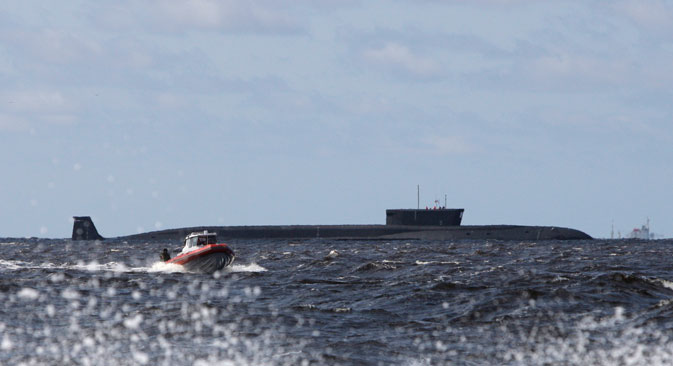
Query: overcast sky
150,115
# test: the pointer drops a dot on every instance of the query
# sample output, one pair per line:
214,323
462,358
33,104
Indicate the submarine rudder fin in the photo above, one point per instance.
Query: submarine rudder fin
84,229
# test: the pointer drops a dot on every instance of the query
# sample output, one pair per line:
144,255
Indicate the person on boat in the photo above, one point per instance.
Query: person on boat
164,255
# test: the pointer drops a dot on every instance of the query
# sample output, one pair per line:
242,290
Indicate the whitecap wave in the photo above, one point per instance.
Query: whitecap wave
12,265
93,266
165,267
249,267
666,283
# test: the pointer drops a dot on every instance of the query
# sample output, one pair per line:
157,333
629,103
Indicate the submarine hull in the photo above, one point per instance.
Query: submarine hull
383,232
442,224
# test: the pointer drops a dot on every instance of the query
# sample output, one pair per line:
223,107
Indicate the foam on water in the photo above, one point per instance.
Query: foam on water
117,267
667,284
92,266
12,265
600,342
160,266
28,293
614,340
250,267
611,341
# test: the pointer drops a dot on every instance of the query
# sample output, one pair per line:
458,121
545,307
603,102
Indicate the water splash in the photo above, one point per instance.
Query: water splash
250,267
165,267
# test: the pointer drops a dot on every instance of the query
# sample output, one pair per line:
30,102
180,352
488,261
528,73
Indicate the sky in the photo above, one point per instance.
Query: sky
157,114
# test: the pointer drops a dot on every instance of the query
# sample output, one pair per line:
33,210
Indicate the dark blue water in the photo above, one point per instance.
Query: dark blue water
325,302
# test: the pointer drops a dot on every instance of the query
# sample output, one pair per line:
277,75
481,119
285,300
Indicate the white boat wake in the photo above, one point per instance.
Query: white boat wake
117,267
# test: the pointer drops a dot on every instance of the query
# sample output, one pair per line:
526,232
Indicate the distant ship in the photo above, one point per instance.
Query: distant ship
642,233
436,223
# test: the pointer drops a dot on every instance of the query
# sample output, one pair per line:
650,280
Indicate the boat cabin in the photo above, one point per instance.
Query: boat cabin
199,239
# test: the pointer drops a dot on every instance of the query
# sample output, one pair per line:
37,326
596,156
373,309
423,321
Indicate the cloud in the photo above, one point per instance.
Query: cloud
578,68
9,122
448,145
654,14
235,16
399,57
33,100
200,13
51,45
36,106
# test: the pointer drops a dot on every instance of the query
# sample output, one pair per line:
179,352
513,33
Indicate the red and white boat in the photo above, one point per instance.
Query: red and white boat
202,253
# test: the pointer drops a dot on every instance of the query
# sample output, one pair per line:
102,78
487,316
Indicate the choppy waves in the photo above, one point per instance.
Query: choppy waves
339,303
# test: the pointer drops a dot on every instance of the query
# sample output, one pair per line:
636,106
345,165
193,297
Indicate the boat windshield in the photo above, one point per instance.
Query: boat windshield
200,240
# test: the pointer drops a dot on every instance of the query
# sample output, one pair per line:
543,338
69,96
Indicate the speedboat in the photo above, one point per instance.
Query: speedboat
202,253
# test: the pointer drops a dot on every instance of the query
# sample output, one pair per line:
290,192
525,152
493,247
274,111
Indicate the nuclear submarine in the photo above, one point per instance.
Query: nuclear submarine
401,224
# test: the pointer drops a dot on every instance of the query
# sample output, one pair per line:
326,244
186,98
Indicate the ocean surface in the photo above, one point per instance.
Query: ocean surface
329,302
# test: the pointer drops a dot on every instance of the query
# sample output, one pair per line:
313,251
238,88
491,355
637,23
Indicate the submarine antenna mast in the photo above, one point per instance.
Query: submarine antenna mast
612,231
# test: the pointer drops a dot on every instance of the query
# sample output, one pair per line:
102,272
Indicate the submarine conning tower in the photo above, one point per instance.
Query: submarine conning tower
84,229
425,217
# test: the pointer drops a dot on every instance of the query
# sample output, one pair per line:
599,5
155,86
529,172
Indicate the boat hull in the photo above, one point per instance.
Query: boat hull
208,259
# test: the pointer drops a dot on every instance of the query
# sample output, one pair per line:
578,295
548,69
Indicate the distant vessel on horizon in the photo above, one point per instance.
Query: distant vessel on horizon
642,233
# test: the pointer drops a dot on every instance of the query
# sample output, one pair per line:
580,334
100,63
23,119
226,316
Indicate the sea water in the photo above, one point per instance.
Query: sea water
330,302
